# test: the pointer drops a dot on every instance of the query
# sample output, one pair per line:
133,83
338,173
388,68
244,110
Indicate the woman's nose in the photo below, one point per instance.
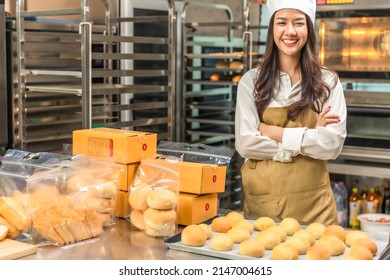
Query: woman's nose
290,29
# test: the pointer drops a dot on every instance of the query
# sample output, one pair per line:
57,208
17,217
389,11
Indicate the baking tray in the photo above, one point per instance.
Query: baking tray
174,243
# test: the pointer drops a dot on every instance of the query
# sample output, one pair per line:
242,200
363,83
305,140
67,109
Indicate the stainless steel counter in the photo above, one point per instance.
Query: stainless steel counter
119,242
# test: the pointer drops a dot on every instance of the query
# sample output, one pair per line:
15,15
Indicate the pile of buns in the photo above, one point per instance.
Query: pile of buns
287,240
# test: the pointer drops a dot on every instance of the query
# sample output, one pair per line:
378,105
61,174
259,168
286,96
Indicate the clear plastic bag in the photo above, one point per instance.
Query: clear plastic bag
154,195
196,152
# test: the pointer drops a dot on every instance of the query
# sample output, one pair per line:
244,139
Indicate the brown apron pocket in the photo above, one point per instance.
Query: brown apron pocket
264,206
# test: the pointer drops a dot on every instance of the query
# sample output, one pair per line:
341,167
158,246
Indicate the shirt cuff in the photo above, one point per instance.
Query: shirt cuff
282,155
292,138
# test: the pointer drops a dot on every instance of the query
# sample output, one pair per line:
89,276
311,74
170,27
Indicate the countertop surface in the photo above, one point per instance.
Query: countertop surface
122,241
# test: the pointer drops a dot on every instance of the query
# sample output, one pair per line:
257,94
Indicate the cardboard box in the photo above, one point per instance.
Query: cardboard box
195,209
127,175
122,206
202,178
123,146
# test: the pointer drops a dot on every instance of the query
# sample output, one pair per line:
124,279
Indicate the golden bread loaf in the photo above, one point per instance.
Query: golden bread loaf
251,248
243,224
221,224
238,234
12,210
284,251
137,198
337,231
279,231
307,235
299,242
318,252
193,235
215,77
236,78
162,199
236,65
137,219
262,223
159,219
235,216
12,232
355,235
222,64
333,243
317,229
269,239
359,253
207,229
290,225
368,243
221,242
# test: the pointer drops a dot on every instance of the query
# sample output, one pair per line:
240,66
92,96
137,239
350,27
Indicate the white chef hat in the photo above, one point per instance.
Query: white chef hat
306,6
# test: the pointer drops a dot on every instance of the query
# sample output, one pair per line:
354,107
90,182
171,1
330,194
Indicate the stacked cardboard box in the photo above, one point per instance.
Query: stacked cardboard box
200,184
124,147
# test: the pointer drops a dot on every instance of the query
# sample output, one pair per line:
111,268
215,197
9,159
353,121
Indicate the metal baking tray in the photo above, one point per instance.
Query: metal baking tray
174,243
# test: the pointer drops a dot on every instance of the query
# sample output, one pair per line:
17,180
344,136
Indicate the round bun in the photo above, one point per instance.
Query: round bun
137,198
238,234
235,216
243,224
207,229
290,225
317,229
334,244
284,251
221,224
79,181
103,188
221,242
337,231
279,231
251,248
301,243
262,223
162,199
318,252
222,64
359,253
236,65
236,78
137,219
355,235
215,77
366,242
269,239
193,235
307,235
159,219
256,64
167,230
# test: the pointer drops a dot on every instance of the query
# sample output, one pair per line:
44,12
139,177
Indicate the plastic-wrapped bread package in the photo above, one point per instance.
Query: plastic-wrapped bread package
153,196
72,202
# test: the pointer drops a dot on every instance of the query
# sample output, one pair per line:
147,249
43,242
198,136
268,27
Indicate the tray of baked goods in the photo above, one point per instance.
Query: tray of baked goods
232,55
232,236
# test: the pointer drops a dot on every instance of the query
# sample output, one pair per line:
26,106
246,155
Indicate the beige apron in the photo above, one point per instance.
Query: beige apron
299,189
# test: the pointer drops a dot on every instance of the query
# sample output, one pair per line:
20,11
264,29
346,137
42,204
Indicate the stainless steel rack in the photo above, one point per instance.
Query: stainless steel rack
70,74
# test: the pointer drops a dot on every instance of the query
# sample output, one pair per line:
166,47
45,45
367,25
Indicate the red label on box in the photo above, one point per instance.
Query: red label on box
100,147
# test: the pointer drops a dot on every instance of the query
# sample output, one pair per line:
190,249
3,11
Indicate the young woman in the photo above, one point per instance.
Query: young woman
290,119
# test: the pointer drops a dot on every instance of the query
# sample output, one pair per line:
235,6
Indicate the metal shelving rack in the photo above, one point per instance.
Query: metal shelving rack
209,106
70,75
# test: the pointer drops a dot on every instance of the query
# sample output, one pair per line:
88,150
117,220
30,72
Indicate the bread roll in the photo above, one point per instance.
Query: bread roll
337,231
3,232
355,235
290,225
269,239
159,219
137,219
236,65
333,243
221,224
236,78
243,224
235,216
102,205
284,251
279,231
215,77
262,223
193,235
256,64
307,235
299,242
137,198
222,64
318,252
251,248
207,229
162,199
317,229
366,242
103,188
164,231
359,253
238,234
221,242
79,181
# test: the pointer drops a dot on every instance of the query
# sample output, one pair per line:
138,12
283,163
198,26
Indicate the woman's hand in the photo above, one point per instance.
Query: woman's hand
272,131
324,118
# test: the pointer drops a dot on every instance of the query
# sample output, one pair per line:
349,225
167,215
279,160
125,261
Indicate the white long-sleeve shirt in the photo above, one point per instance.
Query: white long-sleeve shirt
320,143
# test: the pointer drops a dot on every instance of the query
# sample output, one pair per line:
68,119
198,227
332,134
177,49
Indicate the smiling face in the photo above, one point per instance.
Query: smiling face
290,32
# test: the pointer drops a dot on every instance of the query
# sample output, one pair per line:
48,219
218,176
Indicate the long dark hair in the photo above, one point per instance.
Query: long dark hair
315,91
